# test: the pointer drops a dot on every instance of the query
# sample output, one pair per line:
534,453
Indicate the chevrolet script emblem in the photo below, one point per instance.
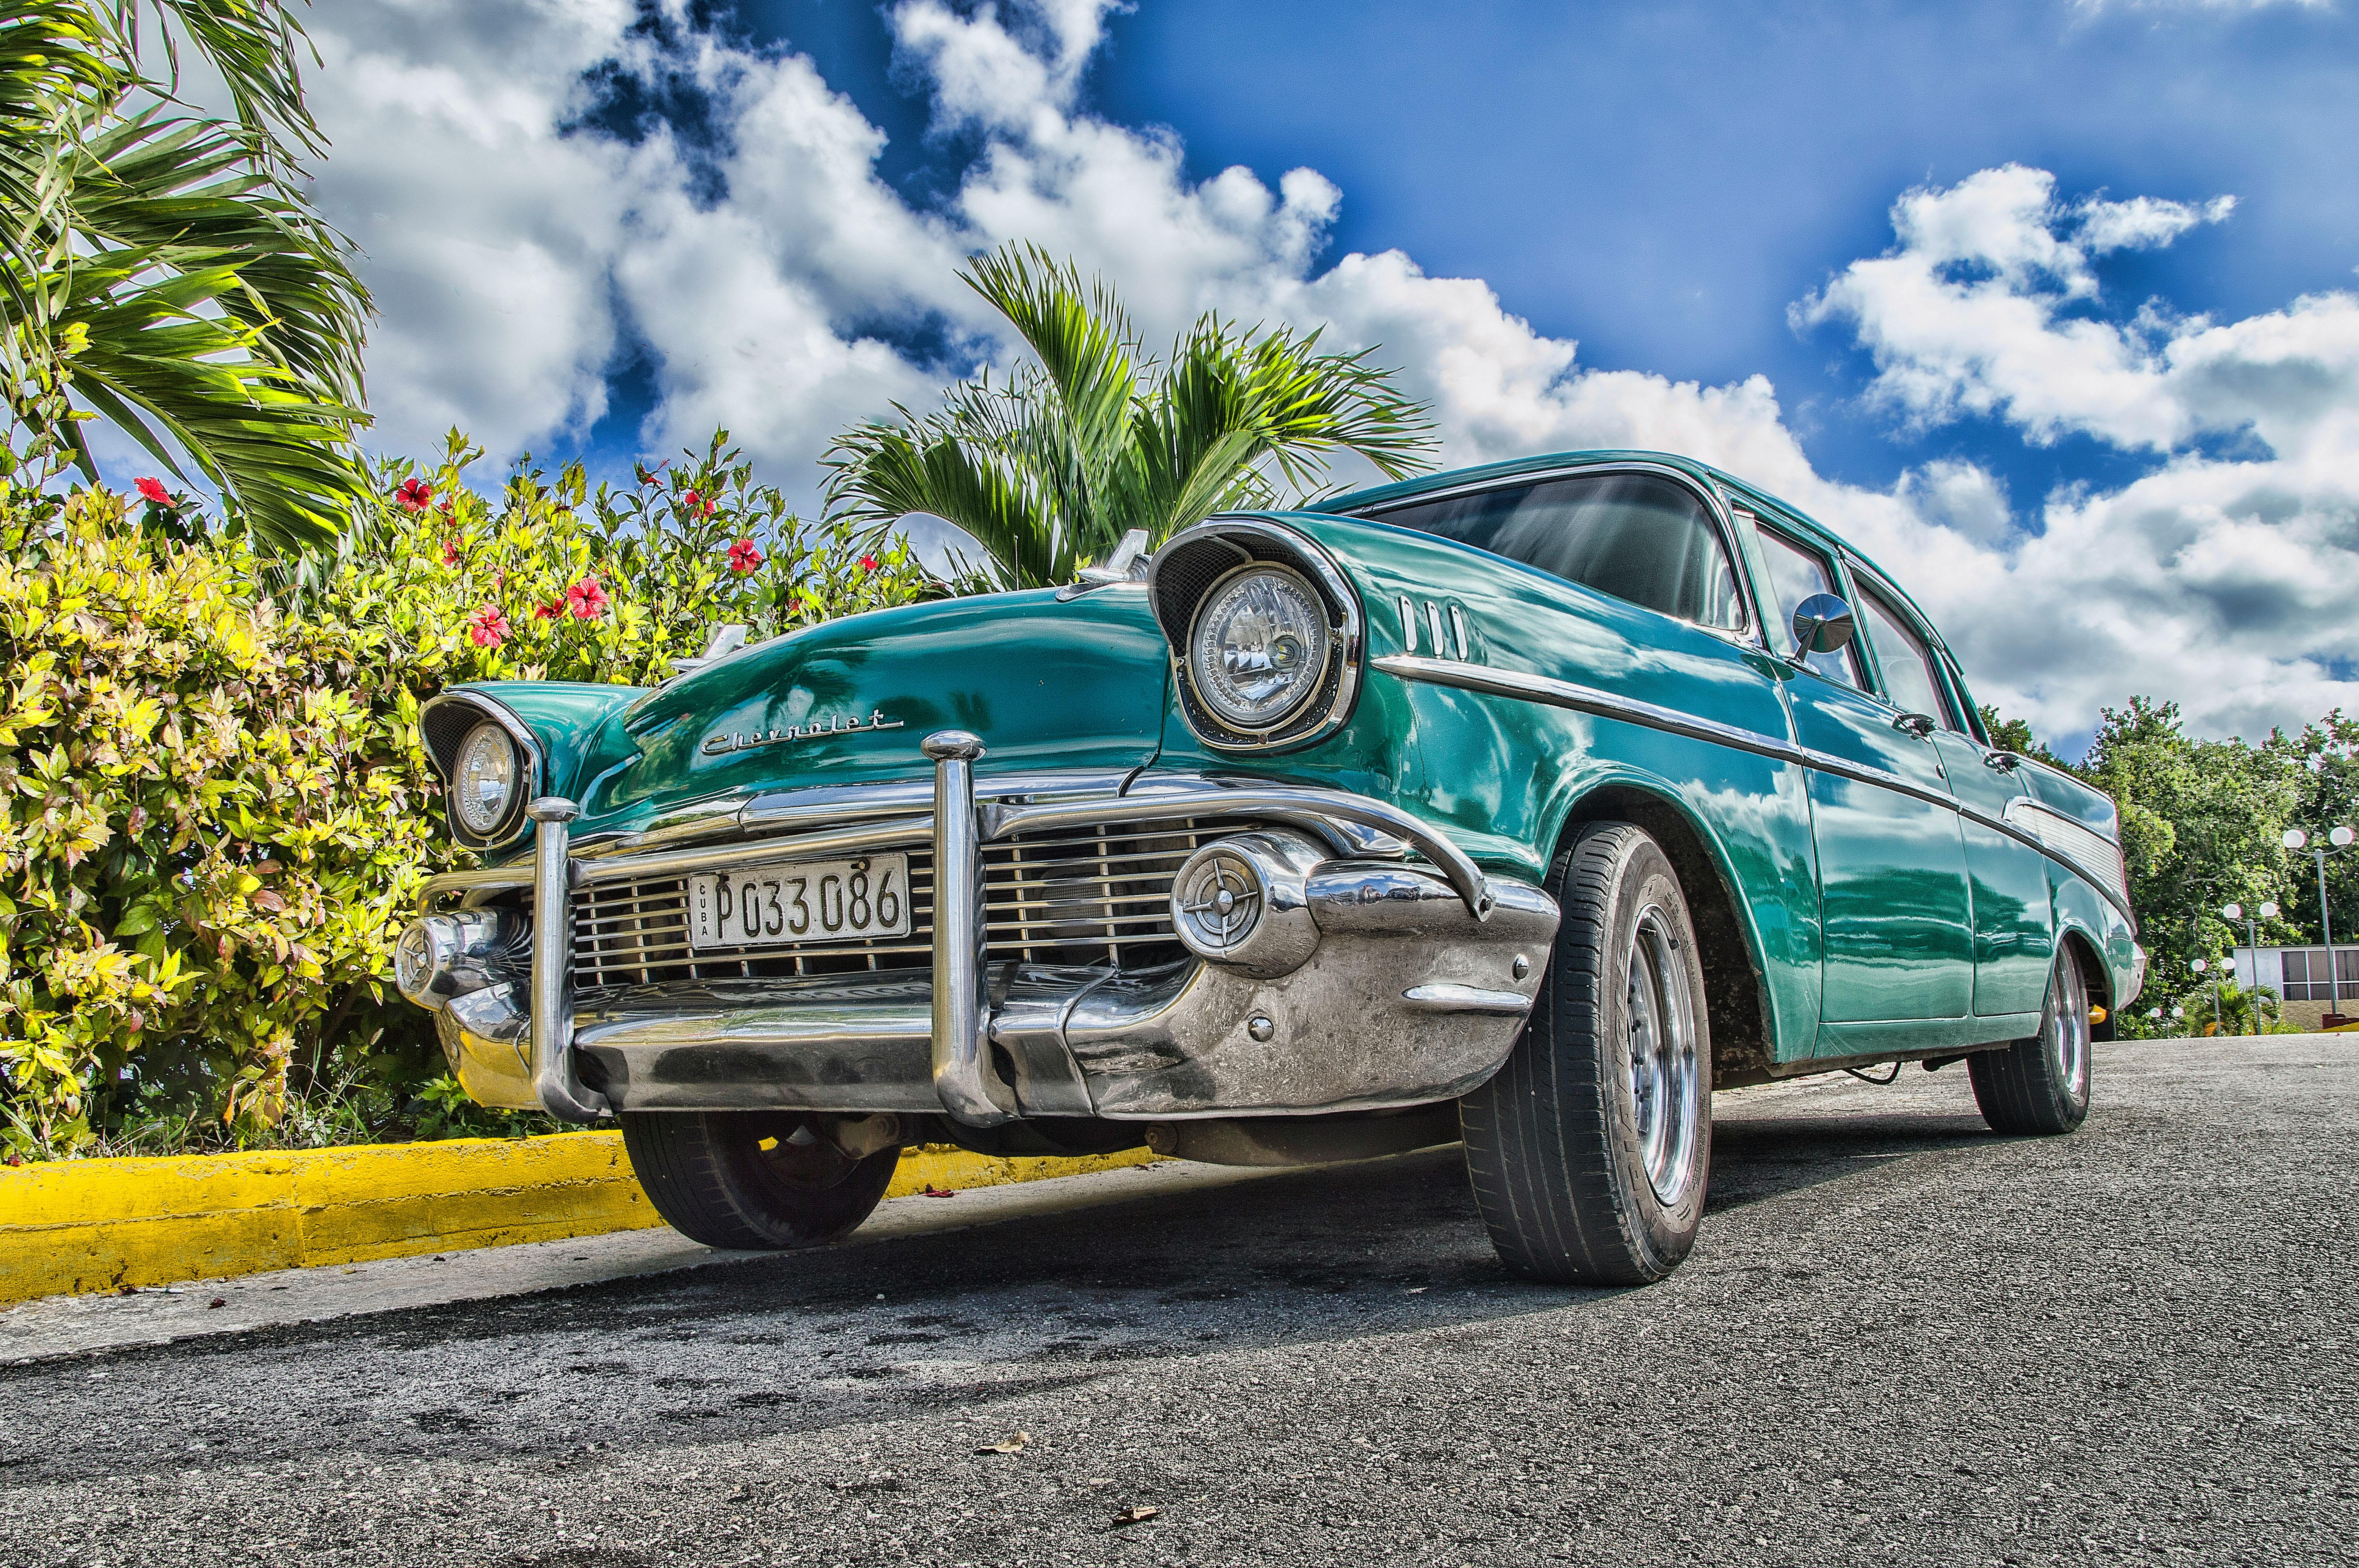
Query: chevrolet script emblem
716,745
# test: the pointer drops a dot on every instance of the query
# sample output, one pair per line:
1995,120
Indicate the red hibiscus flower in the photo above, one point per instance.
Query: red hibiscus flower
645,477
868,563
586,599
548,611
450,552
744,556
414,494
153,489
489,627
696,504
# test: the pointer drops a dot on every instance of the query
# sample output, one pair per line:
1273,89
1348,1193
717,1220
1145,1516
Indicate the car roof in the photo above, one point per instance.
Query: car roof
1752,496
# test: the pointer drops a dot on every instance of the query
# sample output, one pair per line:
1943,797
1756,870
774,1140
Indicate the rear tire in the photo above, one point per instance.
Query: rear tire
2040,1086
752,1180
1591,1148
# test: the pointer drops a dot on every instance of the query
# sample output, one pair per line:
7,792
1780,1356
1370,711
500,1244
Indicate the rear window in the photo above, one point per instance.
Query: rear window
1635,536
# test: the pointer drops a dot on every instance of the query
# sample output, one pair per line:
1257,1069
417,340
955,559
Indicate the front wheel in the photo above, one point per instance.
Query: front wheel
1590,1151
752,1180
2041,1085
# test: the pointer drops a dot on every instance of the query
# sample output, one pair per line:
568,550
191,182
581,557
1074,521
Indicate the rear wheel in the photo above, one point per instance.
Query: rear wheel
752,1179
2041,1085
1590,1149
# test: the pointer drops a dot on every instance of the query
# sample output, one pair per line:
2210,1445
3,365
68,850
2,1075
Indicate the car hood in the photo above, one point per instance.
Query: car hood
1076,683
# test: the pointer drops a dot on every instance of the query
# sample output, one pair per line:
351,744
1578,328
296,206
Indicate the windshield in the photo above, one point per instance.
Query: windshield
1636,536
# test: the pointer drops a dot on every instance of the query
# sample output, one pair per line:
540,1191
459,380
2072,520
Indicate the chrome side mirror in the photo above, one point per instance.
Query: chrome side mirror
1822,624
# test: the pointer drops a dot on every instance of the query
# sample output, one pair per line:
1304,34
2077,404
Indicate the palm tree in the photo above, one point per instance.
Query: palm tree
162,269
1048,467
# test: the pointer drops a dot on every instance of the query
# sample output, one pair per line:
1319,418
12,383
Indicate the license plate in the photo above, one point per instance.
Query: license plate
805,901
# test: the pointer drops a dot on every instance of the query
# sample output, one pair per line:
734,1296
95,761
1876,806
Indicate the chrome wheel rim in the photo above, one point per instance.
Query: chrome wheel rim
1665,1088
2068,1031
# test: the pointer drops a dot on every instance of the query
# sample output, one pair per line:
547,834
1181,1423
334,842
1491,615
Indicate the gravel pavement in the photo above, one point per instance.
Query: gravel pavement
1901,1339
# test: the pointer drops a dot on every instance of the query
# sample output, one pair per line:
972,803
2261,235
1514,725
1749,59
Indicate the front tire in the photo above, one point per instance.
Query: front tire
752,1180
2040,1086
1591,1148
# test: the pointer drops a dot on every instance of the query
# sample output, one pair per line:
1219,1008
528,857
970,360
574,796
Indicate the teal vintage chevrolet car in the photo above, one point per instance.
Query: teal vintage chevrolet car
1524,806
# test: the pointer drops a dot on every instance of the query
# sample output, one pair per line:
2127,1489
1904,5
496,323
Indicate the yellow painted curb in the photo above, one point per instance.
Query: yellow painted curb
98,1224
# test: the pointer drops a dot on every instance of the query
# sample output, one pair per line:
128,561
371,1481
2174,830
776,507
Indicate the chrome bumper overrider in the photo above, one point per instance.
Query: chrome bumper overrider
1407,981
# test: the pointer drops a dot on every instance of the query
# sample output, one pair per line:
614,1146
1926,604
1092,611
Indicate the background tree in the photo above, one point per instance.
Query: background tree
1048,468
163,270
2327,756
2200,827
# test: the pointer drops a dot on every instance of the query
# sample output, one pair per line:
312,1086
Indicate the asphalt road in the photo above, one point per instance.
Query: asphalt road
1901,1339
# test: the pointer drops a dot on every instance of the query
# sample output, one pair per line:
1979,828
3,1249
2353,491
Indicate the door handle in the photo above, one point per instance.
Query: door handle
1918,724
2004,762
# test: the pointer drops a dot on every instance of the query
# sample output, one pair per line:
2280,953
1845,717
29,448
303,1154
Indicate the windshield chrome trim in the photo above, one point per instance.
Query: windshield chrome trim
1716,503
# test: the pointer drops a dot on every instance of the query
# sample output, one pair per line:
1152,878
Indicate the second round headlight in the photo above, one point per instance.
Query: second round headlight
484,786
1260,646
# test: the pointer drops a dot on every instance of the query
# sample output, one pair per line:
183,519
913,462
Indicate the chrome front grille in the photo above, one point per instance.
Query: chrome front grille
1084,895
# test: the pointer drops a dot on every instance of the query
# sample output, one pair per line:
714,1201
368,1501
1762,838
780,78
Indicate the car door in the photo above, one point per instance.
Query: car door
1896,943
2015,915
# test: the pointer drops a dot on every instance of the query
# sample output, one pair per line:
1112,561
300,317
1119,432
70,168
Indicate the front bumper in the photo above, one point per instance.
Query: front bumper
1416,982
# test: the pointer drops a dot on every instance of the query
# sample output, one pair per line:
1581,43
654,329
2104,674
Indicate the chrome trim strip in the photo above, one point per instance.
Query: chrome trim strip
1605,704
970,1090
491,878
779,811
825,845
1496,682
554,1080
1282,803
1408,624
1353,825
1446,998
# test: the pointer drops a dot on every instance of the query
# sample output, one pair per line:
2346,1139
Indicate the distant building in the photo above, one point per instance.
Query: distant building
2298,976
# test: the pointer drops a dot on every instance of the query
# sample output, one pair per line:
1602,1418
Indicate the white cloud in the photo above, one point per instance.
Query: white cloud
2217,581
1975,311
512,257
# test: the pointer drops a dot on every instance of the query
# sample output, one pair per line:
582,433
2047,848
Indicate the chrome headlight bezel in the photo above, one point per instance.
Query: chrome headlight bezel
1194,566
488,758
450,722
1214,685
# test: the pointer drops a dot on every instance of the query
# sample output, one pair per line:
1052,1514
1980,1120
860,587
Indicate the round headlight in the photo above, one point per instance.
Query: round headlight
1260,646
485,786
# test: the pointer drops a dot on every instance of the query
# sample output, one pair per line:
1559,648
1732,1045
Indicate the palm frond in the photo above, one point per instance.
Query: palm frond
1049,467
253,44
879,474
171,373
1083,345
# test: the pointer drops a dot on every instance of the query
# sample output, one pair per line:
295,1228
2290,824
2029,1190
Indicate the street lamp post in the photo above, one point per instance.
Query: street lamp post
2233,912
2340,837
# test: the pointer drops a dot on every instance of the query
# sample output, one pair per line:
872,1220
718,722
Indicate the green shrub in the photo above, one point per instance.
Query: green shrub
218,809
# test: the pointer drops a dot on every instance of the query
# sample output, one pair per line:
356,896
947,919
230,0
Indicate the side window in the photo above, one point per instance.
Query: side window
1636,536
1907,665
1796,572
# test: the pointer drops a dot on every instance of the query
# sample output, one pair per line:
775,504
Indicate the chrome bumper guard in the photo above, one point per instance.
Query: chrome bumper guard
1413,987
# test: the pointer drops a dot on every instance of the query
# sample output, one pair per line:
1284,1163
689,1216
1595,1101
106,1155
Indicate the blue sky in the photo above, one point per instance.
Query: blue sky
1659,181
2048,303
